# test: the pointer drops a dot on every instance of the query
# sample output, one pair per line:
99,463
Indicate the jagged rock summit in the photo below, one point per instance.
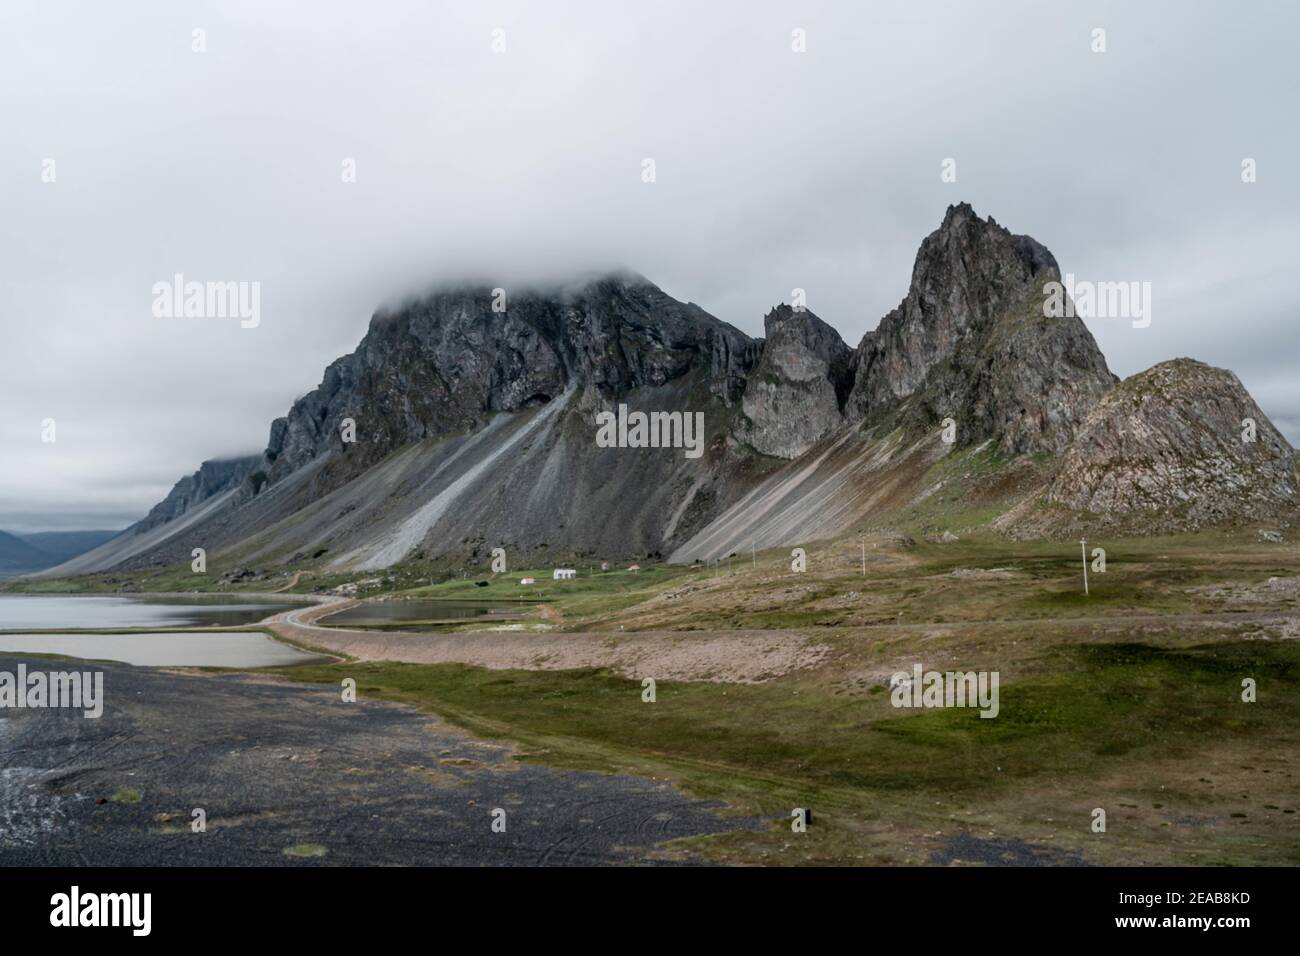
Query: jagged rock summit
796,393
970,341
447,363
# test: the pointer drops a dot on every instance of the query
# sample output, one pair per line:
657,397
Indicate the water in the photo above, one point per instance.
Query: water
19,612
399,612
40,611
226,649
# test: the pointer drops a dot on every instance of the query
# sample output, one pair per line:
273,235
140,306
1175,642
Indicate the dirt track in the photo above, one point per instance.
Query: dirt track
741,656
731,656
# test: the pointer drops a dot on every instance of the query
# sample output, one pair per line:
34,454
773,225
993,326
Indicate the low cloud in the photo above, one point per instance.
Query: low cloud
774,170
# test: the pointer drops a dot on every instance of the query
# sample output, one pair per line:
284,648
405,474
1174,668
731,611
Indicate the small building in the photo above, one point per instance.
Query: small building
528,580
564,574
634,567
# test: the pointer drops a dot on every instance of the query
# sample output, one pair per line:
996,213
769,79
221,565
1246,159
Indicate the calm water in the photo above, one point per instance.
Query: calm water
111,611
396,612
249,649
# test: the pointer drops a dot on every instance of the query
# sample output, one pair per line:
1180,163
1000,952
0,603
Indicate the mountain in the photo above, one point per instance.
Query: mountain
31,552
474,423
213,478
970,341
1175,448
796,391
63,545
448,364
18,555
191,500
470,419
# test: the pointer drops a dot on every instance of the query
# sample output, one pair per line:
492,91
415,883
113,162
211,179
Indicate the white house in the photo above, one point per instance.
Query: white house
564,574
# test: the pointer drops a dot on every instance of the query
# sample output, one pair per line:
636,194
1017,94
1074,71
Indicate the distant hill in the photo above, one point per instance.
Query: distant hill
44,549
18,555
67,544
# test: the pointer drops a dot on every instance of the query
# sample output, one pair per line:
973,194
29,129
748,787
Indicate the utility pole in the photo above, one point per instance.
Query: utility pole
1083,548
753,554
864,555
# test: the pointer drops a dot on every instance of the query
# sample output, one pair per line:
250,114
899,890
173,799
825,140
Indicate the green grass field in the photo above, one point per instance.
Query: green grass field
1086,732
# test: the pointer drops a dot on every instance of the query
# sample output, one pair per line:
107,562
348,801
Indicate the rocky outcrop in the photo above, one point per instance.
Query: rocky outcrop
444,364
796,392
970,341
213,478
1179,446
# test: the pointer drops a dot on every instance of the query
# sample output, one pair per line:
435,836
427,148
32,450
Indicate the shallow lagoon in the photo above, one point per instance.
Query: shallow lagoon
224,649
21,613
41,611
379,613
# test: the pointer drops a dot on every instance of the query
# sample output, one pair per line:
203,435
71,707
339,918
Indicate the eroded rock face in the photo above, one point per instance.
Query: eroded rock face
796,392
212,478
443,365
1166,446
970,342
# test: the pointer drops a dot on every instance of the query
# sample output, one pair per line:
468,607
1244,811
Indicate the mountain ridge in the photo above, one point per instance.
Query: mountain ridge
25,552
472,418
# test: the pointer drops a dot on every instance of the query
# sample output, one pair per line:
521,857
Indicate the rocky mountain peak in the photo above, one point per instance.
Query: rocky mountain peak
796,393
779,315
442,364
970,341
967,273
788,326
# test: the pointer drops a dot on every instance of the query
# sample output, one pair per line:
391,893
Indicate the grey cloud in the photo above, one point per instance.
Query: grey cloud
775,171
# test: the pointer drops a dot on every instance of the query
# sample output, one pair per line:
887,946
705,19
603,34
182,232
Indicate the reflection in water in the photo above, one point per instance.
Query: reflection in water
392,612
238,649
112,611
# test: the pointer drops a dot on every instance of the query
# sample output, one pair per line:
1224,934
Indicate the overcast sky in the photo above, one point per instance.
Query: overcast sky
774,170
